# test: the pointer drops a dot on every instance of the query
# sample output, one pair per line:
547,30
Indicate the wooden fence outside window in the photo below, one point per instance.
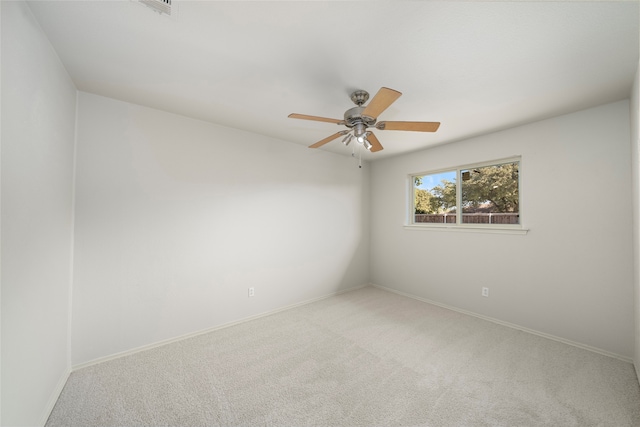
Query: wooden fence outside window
474,218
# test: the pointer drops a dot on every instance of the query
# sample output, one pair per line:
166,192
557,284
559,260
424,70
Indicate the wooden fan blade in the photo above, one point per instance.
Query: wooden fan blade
375,144
412,126
383,99
316,118
329,139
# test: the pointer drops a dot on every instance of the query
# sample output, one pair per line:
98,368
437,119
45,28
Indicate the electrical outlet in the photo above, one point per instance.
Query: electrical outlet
251,292
485,292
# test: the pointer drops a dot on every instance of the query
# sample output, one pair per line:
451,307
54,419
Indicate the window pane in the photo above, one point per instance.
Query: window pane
435,198
490,194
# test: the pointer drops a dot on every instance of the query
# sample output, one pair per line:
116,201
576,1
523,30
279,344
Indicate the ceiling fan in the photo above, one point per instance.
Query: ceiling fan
358,119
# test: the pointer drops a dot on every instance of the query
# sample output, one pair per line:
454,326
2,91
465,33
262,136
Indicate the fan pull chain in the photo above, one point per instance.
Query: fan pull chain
353,154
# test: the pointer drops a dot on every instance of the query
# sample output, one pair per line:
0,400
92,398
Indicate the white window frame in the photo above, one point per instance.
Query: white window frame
410,223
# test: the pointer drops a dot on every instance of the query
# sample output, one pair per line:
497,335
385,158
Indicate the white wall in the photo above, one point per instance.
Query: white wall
571,276
176,218
38,119
635,169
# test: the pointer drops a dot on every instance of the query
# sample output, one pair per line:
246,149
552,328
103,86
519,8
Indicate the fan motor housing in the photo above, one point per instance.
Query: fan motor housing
353,116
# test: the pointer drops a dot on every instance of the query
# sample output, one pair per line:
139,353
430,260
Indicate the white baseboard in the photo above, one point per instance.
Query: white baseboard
205,331
54,396
510,325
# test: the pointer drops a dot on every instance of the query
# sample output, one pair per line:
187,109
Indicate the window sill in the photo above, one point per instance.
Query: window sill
468,229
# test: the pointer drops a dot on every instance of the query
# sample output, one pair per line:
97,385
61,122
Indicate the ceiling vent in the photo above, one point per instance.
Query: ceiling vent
160,6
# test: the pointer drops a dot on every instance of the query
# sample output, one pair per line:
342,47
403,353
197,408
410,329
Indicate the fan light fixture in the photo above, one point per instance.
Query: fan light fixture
360,132
360,139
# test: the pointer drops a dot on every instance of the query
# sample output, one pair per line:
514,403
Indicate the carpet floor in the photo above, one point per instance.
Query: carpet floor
363,358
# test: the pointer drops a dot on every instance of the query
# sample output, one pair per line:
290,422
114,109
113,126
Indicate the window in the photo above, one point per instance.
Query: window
435,198
481,195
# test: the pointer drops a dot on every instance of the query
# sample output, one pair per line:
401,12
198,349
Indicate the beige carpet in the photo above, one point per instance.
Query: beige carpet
363,358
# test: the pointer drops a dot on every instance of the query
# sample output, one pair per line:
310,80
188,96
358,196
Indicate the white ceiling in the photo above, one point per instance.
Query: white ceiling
474,66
